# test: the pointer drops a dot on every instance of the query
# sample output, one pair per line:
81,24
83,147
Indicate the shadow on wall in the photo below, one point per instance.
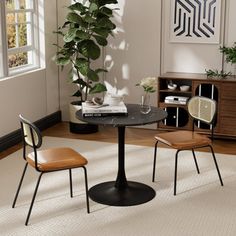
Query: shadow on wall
134,51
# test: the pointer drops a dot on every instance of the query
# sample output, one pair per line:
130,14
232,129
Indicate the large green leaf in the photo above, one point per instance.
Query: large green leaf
104,2
82,34
89,19
106,11
82,65
77,7
73,17
93,7
105,23
62,61
70,35
98,88
92,75
102,32
89,49
100,40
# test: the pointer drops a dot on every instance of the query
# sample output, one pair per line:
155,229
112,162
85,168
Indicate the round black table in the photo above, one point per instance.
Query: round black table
122,192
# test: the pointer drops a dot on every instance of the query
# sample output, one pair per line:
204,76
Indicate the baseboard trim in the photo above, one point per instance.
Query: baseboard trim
14,137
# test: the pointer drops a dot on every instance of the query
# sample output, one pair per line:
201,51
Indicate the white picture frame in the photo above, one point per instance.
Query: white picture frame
195,21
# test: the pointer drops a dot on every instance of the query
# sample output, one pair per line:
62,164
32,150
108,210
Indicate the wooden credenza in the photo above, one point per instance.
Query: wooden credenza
223,90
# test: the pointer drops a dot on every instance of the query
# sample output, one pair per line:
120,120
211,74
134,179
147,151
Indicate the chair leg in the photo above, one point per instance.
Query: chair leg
19,186
217,168
154,162
86,188
195,160
71,187
32,201
176,163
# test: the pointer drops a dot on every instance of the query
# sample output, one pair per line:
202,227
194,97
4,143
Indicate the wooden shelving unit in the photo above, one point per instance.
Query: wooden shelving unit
222,90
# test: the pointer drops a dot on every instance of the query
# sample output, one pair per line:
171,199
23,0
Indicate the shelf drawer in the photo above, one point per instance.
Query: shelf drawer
228,108
228,91
228,126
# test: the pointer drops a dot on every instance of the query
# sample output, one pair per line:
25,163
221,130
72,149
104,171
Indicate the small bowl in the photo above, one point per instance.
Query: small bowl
184,88
172,86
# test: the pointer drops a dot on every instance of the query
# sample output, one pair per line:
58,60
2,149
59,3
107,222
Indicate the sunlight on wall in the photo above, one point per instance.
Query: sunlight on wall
186,59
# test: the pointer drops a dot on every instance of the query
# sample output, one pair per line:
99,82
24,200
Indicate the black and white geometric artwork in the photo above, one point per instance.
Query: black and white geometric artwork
195,21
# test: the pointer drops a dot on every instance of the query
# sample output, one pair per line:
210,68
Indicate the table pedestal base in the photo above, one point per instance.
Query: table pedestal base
133,194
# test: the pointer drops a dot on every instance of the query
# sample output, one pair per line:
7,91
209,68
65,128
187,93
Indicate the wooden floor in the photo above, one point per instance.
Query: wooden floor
142,137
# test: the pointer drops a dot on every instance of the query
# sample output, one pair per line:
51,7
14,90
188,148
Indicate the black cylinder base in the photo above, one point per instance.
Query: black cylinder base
133,194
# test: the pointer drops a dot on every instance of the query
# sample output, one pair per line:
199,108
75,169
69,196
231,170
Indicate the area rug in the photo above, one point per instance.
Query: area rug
201,207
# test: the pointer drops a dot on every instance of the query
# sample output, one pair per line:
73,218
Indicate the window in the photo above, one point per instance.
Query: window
19,45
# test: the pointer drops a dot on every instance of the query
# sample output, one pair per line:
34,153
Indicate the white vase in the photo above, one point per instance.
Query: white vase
145,106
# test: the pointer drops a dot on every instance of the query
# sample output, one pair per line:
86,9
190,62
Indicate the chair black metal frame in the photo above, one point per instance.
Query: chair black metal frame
36,143
211,123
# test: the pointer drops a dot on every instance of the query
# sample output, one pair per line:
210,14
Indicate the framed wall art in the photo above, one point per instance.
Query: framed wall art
195,21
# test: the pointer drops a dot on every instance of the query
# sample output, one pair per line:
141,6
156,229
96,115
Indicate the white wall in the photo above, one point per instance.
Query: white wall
187,57
134,52
66,88
34,94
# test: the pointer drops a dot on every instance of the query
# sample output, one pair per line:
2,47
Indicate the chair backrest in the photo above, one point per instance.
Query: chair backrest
31,134
202,109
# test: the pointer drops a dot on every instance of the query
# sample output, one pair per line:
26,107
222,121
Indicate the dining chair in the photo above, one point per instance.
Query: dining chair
47,160
200,109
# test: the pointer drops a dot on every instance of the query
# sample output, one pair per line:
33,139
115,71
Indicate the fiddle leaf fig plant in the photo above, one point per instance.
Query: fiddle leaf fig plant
85,31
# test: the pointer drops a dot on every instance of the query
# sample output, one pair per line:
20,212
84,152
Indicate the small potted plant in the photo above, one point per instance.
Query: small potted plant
230,53
85,31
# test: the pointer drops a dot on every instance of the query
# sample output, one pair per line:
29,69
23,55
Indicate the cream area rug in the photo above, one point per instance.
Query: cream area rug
201,207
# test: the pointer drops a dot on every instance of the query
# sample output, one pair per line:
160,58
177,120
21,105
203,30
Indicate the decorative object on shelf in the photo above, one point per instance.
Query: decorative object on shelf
176,100
195,21
184,88
171,85
86,29
215,73
149,85
230,53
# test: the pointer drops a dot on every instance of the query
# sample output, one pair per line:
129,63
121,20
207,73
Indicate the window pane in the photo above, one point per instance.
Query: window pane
10,5
18,59
22,4
11,36
22,29
11,19
21,17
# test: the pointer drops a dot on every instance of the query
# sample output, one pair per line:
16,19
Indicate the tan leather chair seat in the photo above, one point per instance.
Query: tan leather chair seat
183,139
57,159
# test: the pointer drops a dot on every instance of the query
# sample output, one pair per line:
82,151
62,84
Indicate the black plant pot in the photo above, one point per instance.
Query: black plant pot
77,126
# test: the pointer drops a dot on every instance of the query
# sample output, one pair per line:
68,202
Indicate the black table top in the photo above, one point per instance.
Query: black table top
134,117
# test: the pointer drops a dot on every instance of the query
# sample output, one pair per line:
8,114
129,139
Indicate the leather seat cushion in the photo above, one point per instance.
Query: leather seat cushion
183,139
57,159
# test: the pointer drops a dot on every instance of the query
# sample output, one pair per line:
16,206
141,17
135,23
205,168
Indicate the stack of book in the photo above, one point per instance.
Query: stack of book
103,110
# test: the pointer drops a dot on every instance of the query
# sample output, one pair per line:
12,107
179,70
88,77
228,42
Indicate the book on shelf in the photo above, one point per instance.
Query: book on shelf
103,110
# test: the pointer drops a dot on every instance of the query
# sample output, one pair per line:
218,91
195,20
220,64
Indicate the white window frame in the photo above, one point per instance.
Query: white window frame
33,38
